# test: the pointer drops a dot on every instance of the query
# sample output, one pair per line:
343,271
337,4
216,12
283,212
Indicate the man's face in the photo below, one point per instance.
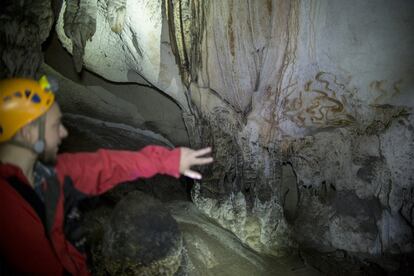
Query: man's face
54,133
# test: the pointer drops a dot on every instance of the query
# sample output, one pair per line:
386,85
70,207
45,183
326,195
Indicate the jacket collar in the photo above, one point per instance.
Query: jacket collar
7,170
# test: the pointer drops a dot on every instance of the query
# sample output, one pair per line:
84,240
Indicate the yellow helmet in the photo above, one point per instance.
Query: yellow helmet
21,102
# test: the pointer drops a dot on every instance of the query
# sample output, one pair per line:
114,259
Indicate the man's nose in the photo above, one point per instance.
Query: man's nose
63,131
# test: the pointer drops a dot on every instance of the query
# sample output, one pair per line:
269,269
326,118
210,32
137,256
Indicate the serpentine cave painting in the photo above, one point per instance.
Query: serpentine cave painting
307,104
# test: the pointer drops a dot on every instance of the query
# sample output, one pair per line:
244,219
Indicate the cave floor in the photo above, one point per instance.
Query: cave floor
212,250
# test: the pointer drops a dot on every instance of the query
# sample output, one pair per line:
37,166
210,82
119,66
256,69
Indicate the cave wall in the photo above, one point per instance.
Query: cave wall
300,100
317,87
308,105
132,104
25,26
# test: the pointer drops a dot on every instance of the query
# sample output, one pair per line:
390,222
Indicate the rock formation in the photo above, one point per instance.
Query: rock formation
307,104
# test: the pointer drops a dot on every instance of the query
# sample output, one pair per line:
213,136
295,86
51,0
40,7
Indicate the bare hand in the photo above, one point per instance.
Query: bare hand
190,157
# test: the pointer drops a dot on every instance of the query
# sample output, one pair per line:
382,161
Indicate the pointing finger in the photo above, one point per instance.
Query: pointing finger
202,152
202,161
192,174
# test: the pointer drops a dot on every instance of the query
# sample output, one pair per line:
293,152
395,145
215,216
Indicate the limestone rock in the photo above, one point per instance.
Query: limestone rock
121,56
141,238
212,250
25,25
323,86
352,196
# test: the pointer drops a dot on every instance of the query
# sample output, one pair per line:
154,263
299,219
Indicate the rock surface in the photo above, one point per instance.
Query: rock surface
212,250
24,27
207,248
310,86
141,238
308,105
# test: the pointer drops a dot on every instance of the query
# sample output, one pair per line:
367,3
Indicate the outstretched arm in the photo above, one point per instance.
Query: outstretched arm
95,173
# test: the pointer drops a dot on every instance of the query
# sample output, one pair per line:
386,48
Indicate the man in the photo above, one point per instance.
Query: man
38,201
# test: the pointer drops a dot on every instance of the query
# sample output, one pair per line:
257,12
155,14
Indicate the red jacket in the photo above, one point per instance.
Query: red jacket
23,242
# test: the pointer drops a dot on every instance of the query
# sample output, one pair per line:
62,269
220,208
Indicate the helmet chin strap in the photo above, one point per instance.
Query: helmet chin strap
40,145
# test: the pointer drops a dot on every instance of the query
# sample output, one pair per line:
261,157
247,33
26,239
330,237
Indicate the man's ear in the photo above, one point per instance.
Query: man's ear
28,134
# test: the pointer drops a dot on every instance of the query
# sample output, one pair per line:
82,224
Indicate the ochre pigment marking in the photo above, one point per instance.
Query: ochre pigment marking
324,108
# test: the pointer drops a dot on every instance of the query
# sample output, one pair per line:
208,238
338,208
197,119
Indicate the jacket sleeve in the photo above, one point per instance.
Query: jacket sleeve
95,173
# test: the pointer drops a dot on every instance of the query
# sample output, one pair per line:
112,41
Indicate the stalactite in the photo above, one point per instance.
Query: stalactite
80,26
24,26
116,14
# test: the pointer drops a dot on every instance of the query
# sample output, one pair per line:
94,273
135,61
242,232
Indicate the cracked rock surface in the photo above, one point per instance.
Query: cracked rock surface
308,106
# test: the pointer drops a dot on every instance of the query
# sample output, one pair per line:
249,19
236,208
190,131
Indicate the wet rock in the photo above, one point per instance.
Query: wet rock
367,171
24,26
208,249
339,263
360,197
289,192
80,26
272,71
212,250
141,238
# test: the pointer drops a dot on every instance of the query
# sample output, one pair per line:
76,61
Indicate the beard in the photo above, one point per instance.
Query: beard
49,157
